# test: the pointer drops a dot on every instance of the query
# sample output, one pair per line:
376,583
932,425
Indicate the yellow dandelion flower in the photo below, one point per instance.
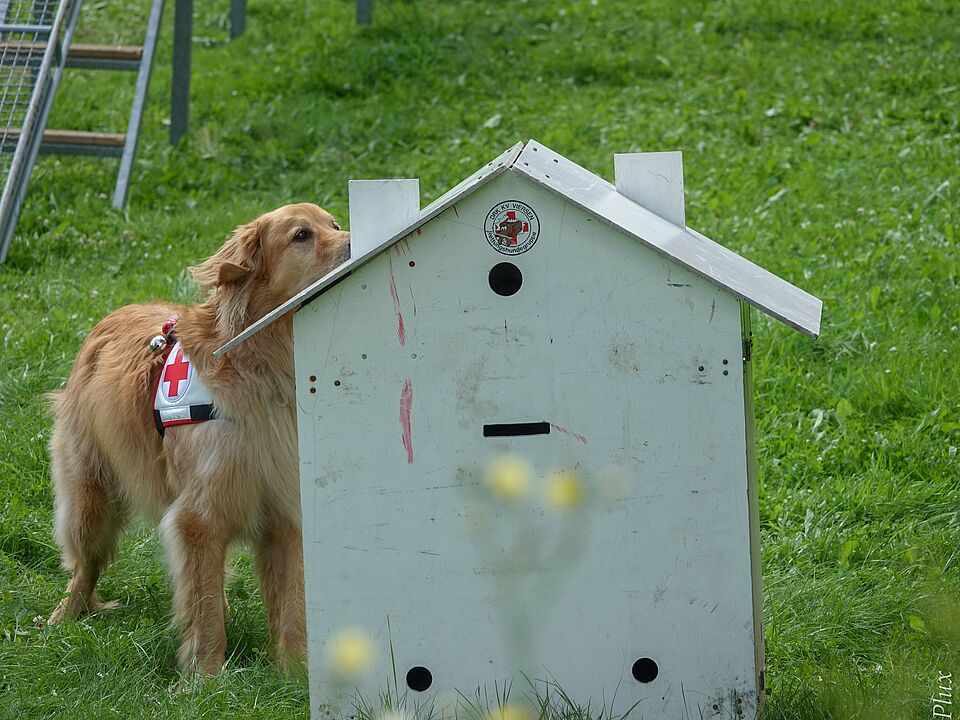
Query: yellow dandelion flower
564,489
509,477
351,652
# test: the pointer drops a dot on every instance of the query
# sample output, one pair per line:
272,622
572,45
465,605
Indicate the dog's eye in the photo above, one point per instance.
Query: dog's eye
302,234
336,225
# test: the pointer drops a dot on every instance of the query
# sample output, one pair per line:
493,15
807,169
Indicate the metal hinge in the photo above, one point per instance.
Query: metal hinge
747,349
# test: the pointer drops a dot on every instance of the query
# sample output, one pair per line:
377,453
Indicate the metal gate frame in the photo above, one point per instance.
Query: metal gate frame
139,101
47,77
54,39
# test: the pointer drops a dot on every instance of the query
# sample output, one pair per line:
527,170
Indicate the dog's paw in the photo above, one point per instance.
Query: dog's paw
60,613
71,607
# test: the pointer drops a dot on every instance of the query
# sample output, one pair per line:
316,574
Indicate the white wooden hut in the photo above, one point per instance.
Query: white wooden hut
536,310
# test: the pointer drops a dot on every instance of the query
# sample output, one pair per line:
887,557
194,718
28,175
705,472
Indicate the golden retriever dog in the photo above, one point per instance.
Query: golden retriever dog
206,484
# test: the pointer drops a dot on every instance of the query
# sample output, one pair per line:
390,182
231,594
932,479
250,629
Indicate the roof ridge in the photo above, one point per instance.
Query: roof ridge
601,199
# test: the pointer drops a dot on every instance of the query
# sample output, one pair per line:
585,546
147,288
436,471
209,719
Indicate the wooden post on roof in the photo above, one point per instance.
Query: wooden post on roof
379,209
654,180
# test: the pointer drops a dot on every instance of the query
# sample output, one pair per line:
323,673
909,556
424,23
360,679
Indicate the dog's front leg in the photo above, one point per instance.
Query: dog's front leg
196,546
279,566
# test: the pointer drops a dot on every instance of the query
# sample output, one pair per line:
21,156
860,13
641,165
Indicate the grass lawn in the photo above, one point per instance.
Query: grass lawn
821,140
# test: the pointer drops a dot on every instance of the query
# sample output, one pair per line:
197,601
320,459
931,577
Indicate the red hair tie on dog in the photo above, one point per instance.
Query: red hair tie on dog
167,338
167,328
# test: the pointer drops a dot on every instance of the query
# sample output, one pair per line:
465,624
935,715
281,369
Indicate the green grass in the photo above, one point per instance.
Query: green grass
820,140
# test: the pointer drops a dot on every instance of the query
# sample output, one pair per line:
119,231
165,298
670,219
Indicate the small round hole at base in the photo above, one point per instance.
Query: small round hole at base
645,670
419,678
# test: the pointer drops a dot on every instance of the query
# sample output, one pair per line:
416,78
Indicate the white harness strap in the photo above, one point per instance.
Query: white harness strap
181,397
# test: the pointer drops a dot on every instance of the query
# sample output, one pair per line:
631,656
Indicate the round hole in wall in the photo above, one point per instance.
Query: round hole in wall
505,279
419,678
412,263
645,670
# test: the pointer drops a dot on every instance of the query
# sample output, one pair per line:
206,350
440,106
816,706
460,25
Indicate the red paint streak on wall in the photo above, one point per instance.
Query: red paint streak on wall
401,331
578,436
406,403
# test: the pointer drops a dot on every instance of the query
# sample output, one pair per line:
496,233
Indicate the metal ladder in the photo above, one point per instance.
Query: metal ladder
35,47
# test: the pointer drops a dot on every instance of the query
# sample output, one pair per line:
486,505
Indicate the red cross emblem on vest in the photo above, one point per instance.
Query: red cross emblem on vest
175,374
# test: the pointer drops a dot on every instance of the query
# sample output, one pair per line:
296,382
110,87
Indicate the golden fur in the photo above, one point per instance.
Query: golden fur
205,484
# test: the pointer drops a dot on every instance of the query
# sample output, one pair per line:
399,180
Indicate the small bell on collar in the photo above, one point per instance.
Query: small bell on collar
158,343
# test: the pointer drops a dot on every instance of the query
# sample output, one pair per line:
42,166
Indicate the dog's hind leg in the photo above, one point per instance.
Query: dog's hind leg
196,547
88,519
279,567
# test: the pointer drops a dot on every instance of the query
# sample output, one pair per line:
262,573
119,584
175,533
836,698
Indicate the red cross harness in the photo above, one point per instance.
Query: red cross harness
180,397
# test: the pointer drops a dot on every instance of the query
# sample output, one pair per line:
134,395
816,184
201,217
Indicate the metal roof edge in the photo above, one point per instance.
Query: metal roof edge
696,252
598,197
481,177
807,321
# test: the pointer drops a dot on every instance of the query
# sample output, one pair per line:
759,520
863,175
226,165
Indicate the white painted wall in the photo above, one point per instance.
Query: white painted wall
605,338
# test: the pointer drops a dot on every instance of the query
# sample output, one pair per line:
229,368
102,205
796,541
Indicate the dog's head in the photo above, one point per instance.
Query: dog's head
271,259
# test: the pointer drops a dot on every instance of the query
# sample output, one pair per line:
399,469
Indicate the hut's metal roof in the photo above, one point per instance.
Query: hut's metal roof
600,199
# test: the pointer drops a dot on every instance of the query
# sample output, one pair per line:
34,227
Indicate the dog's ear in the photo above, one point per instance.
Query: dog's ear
230,272
234,261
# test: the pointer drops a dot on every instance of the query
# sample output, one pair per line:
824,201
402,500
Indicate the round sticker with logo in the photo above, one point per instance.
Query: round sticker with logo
512,227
